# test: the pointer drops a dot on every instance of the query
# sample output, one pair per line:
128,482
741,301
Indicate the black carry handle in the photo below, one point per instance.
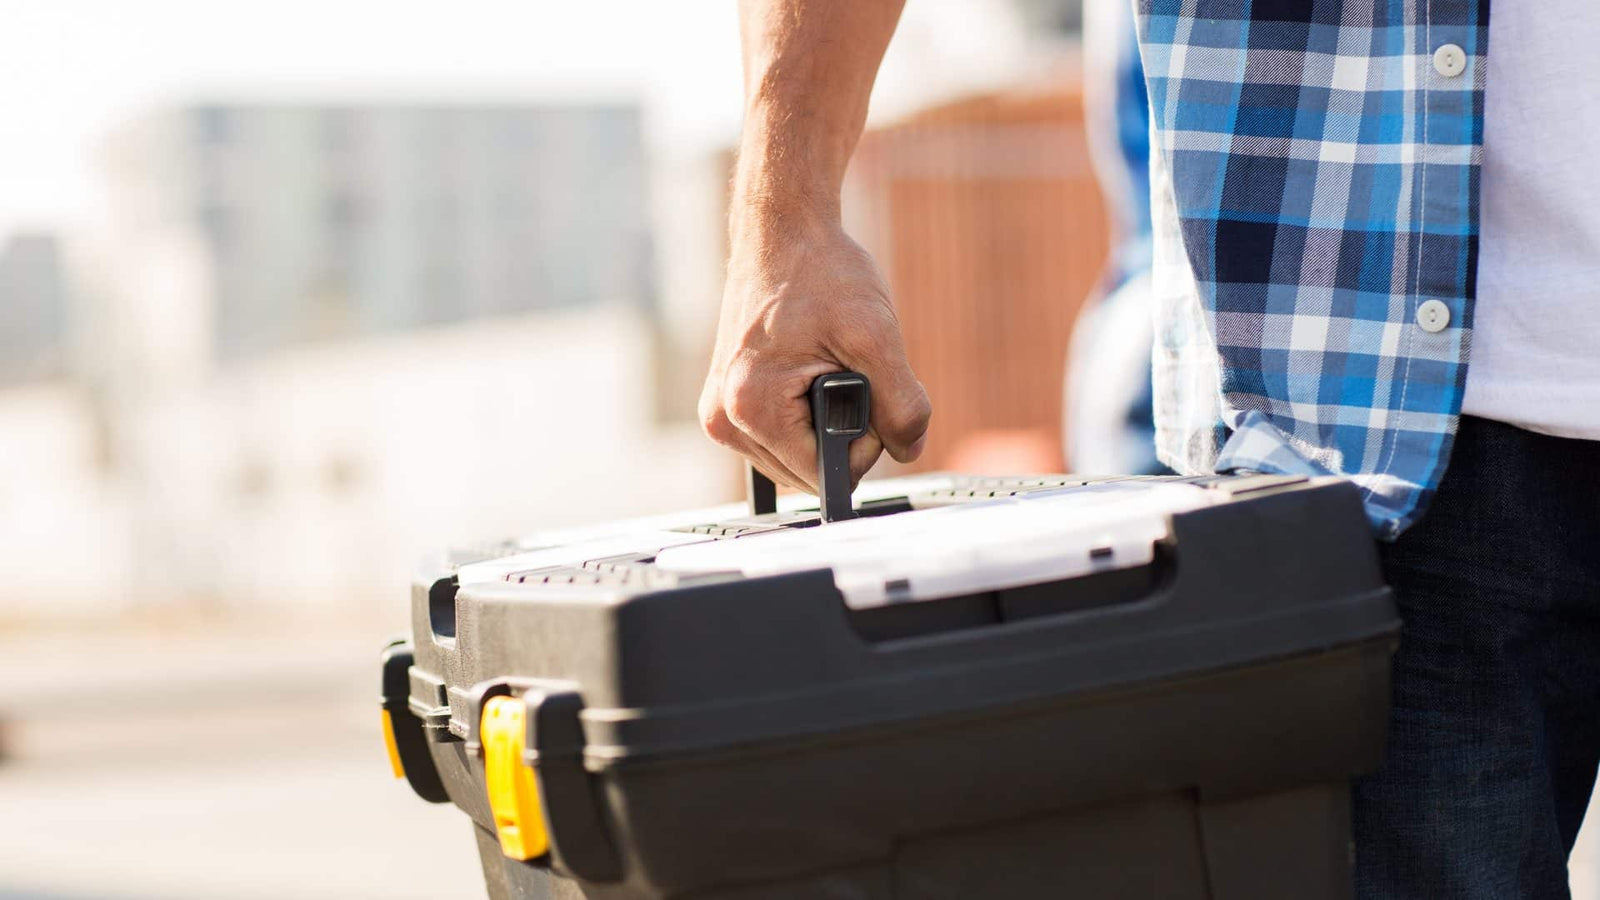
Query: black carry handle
841,405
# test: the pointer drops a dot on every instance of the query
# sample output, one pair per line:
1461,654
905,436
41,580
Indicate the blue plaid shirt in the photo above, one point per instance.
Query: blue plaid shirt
1315,182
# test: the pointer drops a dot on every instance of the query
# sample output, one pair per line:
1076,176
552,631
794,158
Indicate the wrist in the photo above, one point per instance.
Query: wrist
782,218
780,211
790,167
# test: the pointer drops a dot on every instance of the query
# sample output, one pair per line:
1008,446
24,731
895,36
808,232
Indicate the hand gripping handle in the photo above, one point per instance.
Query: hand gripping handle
841,403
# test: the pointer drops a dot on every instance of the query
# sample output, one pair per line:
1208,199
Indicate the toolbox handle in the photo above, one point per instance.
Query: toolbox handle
841,408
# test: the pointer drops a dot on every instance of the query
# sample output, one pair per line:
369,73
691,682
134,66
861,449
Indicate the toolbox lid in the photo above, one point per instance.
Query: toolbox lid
646,534
1015,608
962,549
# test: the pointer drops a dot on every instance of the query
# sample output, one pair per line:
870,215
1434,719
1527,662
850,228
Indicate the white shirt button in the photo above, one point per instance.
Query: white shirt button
1433,316
1450,60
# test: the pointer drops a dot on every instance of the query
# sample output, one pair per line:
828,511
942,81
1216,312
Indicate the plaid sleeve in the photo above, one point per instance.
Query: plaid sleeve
1320,182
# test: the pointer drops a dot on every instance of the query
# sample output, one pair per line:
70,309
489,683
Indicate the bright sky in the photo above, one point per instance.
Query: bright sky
72,69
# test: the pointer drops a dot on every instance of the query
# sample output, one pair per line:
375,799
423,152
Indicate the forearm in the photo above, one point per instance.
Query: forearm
808,72
801,298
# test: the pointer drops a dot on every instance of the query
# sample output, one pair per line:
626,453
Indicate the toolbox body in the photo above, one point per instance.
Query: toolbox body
1179,717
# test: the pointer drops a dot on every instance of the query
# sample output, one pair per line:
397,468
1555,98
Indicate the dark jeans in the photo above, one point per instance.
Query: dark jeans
1495,733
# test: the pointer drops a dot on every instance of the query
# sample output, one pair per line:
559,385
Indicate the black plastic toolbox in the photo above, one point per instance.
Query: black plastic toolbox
1183,727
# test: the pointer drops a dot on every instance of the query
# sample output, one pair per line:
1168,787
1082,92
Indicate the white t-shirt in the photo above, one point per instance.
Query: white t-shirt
1535,356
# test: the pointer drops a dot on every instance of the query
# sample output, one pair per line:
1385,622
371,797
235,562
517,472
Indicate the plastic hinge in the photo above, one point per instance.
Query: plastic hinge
429,702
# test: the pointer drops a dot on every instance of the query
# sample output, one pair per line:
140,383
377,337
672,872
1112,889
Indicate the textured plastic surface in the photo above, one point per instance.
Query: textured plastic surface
1183,727
962,549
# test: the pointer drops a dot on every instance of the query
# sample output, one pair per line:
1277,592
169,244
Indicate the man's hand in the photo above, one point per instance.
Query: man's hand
800,303
802,299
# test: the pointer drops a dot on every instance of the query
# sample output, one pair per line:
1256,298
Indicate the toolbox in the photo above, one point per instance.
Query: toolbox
945,687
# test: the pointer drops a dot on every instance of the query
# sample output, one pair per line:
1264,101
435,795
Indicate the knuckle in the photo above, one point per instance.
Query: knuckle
714,422
744,394
719,429
744,402
909,418
920,411
869,337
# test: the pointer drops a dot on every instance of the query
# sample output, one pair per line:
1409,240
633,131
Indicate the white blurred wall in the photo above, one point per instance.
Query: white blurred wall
64,544
309,482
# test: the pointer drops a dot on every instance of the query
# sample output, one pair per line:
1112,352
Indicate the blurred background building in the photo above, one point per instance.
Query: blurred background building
319,222
984,214
292,295
32,309
331,332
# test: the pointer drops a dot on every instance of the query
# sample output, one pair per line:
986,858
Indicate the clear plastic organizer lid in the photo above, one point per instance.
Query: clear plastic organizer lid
963,549
574,545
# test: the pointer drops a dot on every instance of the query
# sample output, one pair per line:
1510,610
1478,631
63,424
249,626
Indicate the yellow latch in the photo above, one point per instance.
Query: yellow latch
394,749
513,785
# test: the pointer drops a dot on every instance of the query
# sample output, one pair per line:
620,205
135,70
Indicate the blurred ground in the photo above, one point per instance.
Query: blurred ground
231,762
211,765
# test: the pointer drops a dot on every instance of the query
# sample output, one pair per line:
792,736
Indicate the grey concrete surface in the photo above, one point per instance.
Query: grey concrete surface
211,767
